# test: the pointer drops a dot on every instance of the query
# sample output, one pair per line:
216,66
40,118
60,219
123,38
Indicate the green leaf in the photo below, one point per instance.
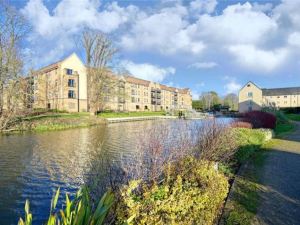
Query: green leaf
54,200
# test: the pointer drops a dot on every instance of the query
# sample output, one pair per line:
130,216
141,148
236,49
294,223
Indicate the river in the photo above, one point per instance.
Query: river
34,165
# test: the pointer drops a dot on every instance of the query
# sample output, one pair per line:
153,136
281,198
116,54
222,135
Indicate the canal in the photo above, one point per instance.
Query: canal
34,165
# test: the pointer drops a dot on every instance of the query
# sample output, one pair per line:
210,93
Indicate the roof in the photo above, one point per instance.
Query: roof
248,83
53,66
135,80
166,88
281,91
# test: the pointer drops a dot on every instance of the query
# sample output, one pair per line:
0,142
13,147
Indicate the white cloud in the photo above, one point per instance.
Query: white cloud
206,6
203,65
258,37
294,39
164,31
58,29
238,24
71,16
255,59
148,71
232,86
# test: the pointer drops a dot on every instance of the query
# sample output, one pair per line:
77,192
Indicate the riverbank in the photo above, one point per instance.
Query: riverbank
51,121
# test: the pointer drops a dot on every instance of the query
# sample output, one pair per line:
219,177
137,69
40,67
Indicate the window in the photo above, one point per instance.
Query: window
137,107
71,83
285,96
69,71
71,94
132,99
132,92
248,85
250,94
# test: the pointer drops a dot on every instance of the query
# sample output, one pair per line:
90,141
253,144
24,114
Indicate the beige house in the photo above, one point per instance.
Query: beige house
63,86
252,97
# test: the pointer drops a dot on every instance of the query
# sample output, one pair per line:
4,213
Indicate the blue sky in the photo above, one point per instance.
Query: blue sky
201,44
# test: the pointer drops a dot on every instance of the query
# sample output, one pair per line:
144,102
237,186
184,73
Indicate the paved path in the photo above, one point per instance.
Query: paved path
280,200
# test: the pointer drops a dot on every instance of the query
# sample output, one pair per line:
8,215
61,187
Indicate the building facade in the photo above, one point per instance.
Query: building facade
63,86
252,97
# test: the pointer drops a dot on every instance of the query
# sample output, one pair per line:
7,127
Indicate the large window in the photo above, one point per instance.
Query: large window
71,83
71,94
69,71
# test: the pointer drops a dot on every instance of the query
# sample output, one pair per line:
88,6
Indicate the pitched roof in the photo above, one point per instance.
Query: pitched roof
135,80
281,91
166,88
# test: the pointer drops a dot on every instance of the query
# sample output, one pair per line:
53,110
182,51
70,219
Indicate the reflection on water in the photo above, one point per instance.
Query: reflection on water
33,166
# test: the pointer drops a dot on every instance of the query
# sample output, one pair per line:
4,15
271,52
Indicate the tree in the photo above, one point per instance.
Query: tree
209,100
231,100
99,52
197,104
13,28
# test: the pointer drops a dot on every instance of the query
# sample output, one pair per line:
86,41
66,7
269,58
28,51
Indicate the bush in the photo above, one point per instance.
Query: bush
260,119
241,124
249,140
192,193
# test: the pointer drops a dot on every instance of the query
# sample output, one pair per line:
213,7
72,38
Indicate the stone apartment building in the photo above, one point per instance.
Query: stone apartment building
252,97
63,86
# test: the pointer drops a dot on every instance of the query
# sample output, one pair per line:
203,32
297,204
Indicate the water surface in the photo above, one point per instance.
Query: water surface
34,165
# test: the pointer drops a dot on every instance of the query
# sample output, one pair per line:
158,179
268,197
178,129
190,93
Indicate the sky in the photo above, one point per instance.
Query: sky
200,44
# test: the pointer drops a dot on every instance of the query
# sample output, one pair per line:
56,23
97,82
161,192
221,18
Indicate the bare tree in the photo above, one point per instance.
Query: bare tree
13,29
103,86
231,100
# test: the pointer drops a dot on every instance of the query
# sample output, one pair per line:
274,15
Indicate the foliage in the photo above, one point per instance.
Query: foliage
192,193
294,117
209,99
260,119
197,104
80,211
249,141
231,100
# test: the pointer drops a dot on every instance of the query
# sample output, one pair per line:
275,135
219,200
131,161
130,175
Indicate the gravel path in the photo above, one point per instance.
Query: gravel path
280,199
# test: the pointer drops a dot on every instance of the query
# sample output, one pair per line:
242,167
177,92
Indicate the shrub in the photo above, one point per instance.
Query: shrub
215,141
260,119
192,193
249,140
241,124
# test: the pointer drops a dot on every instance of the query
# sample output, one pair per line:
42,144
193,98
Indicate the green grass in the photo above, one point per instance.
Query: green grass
294,117
129,114
56,115
284,128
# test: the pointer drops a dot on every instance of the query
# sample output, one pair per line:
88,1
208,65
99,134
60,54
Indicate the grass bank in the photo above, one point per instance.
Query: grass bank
129,114
55,121
294,117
